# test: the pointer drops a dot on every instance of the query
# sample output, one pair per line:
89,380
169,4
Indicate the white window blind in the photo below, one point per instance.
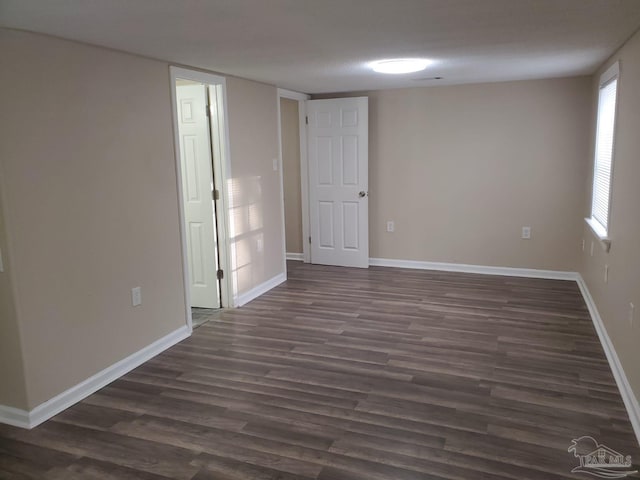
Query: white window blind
600,205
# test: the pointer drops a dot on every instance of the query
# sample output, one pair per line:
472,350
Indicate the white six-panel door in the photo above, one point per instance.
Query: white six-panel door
197,186
338,181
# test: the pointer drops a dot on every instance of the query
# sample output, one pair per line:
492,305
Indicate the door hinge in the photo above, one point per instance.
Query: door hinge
306,119
220,274
215,194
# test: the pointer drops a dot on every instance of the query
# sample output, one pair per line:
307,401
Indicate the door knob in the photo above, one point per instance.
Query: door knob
363,194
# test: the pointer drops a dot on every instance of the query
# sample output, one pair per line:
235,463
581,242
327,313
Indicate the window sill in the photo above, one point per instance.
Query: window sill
600,233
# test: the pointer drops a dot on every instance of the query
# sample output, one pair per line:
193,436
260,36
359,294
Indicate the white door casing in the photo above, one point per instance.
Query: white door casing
197,187
338,181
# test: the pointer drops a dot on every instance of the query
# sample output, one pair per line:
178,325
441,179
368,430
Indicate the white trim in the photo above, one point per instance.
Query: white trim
196,76
55,405
304,196
261,289
281,178
302,134
304,181
599,232
14,416
227,287
298,257
602,231
301,97
628,397
222,171
610,73
482,269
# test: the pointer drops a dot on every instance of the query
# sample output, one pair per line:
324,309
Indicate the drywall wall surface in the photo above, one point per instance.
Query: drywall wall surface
613,298
256,230
91,193
461,169
290,132
12,387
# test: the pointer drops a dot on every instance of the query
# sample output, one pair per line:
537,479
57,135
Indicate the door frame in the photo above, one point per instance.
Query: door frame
304,170
221,169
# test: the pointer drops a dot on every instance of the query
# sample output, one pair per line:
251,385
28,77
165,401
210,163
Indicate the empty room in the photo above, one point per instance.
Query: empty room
319,239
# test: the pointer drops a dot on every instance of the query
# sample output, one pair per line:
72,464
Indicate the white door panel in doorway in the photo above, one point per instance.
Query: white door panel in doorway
338,181
197,188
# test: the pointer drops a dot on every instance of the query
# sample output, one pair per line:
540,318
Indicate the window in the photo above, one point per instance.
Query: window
601,200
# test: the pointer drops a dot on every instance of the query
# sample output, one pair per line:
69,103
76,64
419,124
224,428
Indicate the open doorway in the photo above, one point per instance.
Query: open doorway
325,200
201,167
293,158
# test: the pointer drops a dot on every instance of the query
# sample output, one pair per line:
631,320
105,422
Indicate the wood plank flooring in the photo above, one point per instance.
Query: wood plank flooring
347,374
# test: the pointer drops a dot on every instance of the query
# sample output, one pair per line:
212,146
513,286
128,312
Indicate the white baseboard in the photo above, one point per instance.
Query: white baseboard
482,269
628,397
14,416
46,410
298,257
261,289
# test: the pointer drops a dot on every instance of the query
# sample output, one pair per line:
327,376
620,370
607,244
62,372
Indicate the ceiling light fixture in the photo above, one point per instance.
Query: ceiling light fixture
397,66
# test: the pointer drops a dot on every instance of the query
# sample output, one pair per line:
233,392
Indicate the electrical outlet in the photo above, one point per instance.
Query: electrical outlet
136,296
632,309
391,226
606,274
526,233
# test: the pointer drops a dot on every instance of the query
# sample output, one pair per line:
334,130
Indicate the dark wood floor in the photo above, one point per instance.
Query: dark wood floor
344,374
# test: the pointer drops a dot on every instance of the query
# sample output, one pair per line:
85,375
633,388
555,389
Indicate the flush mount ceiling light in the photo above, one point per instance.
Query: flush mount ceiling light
397,66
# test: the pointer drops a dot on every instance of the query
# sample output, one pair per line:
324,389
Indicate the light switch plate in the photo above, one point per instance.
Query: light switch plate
136,296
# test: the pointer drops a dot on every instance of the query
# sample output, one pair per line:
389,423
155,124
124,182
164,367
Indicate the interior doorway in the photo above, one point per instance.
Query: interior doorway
293,158
201,166
326,199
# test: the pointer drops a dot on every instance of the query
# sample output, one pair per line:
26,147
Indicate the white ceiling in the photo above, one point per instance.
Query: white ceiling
318,46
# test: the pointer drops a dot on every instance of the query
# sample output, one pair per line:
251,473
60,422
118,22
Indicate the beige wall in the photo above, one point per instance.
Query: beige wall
255,212
461,169
92,209
623,287
12,386
290,132
90,180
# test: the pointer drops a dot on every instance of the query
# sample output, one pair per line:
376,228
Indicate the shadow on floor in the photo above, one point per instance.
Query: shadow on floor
200,316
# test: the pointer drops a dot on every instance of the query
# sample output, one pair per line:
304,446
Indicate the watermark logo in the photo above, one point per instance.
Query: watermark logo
599,460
